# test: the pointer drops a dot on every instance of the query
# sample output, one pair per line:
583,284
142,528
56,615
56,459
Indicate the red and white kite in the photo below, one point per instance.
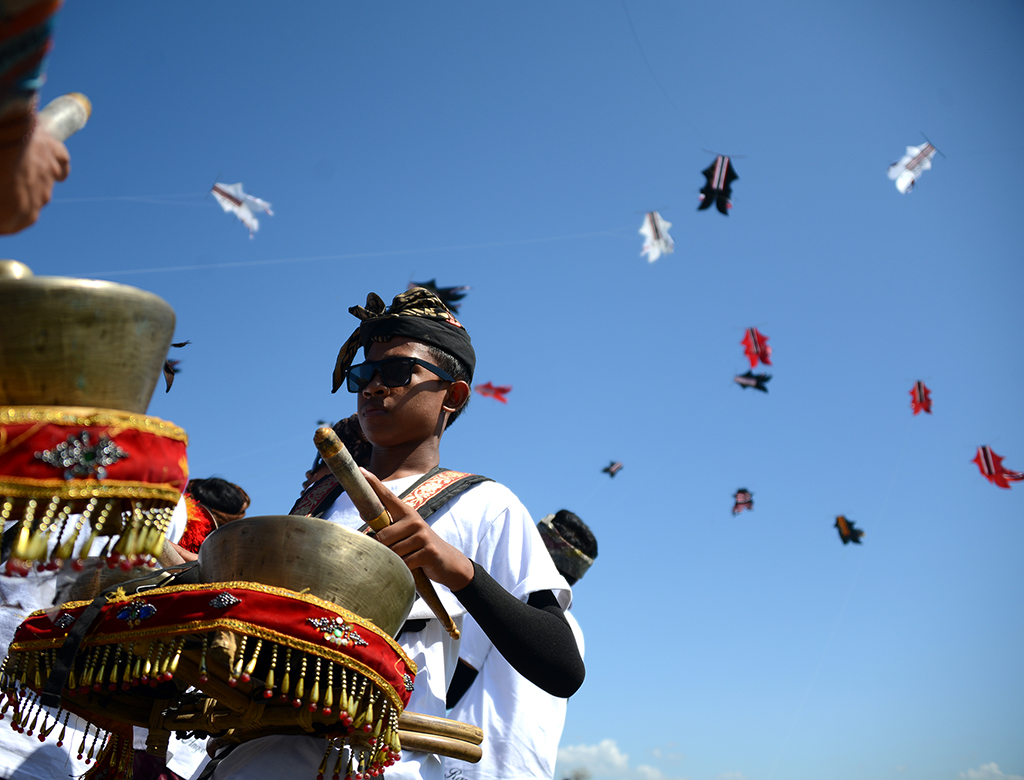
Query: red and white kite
657,241
235,201
921,398
991,467
755,346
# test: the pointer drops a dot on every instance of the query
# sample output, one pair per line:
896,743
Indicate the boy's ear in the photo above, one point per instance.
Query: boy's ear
456,397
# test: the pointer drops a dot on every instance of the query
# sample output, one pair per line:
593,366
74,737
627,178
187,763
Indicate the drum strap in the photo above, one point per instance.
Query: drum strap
182,574
430,492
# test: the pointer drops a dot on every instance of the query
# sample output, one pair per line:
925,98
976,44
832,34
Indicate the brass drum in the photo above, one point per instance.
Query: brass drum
79,342
309,555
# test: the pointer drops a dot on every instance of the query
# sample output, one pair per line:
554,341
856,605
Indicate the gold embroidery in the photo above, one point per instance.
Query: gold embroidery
23,487
215,587
87,417
432,487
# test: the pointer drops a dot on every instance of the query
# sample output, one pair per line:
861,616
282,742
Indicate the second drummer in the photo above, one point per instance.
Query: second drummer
481,547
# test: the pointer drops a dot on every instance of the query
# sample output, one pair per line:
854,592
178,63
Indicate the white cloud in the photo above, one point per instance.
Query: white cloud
988,772
603,761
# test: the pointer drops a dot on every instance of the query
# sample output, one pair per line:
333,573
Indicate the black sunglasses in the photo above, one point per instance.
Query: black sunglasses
394,372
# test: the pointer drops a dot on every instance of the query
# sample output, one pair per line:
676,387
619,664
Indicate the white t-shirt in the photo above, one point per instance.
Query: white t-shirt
490,526
522,723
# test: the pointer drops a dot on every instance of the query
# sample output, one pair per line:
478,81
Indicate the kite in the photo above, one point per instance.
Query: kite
750,379
171,367
449,295
497,392
921,398
847,531
233,200
720,175
612,468
910,166
657,241
991,467
743,499
755,347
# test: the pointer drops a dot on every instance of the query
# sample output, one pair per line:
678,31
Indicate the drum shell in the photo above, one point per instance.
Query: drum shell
306,554
80,342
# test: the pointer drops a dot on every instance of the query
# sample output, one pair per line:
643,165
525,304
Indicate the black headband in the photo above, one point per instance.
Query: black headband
416,314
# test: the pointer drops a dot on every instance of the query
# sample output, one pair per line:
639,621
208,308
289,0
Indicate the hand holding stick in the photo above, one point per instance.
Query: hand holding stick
372,511
65,115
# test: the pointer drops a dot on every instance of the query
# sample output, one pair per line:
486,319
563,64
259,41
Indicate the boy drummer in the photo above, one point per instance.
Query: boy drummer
481,546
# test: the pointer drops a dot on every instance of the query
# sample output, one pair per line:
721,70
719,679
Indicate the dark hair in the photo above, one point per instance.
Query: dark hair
218,494
459,371
577,533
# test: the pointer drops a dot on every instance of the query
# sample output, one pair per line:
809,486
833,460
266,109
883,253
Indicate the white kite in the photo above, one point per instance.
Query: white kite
910,166
656,237
234,200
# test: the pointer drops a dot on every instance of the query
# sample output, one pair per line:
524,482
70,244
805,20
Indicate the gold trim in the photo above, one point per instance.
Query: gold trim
22,487
88,416
213,587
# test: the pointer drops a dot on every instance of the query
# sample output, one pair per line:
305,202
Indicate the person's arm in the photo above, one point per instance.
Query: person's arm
534,637
31,160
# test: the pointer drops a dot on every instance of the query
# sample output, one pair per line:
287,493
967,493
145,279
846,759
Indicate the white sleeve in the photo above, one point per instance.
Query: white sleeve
475,646
509,548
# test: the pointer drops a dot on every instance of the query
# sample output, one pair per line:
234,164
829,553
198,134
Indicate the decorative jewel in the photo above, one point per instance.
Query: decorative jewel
224,600
407,679
80,457
65,620
136,612
337,631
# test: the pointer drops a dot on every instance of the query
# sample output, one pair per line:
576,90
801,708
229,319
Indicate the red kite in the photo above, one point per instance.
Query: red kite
991,467
921,398
755,347
497,392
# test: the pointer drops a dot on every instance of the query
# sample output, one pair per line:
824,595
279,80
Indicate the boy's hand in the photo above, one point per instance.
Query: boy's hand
410,537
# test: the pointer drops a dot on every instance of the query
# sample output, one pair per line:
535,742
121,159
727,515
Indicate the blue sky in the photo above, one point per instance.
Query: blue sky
514,147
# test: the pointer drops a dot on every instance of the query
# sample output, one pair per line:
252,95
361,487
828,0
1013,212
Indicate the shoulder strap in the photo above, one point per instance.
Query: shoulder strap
427,494
317,497
437,487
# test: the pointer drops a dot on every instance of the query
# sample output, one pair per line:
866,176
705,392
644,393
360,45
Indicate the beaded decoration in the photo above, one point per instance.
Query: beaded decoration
244,658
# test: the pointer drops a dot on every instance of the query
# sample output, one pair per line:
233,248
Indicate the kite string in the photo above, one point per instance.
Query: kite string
835,626
357,255
134,198
654,76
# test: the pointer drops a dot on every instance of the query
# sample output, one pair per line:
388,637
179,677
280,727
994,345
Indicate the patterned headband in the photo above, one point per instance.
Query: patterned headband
417,314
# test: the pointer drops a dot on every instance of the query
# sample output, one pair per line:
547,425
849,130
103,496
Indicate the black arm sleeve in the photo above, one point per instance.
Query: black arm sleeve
535,638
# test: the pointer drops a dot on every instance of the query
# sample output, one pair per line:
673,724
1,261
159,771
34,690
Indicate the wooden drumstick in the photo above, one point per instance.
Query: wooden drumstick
372,511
